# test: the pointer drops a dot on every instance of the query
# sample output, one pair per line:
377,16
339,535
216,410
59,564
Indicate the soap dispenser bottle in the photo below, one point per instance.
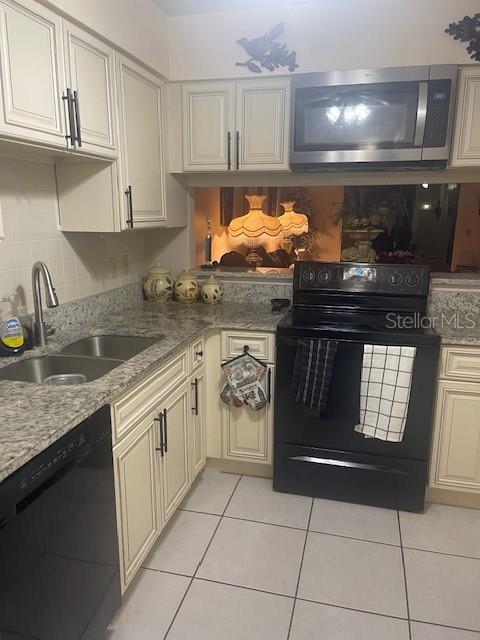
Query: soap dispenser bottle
12,338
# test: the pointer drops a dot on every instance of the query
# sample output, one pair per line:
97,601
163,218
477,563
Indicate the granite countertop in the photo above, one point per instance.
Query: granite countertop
34,416
465,337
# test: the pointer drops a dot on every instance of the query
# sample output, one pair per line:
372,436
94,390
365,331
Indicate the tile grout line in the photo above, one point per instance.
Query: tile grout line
201,560
404,576
300,570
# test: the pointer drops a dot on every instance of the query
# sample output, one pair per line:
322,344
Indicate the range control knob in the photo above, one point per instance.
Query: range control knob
308,275
412,279
396,279
324,276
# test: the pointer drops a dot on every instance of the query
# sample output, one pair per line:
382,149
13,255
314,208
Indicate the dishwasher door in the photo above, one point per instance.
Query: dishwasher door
59,577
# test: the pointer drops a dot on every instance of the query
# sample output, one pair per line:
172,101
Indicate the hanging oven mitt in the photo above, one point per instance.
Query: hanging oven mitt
243,376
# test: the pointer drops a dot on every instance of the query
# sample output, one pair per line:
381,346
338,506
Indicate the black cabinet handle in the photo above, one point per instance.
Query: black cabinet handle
159,419
165,431
68,98
199,354
269,386
229,150
195,386
128,193
237,150
76,104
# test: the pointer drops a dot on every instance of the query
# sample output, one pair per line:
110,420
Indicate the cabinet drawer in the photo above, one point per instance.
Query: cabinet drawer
197,354
460,363
260,345
141,398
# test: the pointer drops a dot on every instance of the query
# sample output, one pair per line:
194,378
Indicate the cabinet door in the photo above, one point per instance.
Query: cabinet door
466,141
137,509
196,432
32,73
248,434
456,452
262,120
174,463
208,123
90,72
142,182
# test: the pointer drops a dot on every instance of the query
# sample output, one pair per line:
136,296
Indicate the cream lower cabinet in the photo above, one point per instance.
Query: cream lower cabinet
174,476
159,449
196,432
455,460
248,434
138,513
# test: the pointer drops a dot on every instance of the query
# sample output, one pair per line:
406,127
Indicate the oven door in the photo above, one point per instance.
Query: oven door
334,430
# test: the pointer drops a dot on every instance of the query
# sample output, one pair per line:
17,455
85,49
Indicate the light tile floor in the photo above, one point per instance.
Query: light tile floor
240,562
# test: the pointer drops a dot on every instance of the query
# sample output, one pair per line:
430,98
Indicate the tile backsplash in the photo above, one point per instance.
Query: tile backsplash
81,264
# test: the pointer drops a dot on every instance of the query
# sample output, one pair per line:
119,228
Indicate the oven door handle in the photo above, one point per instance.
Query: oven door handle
333,462
421,113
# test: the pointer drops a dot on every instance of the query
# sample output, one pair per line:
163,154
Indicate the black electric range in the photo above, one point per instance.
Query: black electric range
354,305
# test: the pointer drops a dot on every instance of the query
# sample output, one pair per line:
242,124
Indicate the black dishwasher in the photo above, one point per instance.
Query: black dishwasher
59,567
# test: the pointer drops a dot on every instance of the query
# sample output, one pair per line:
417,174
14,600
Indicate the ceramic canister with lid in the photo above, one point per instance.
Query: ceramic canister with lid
186,287
158,284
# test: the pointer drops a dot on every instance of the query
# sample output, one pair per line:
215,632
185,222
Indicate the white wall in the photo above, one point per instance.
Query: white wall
137,26
332,35
78,262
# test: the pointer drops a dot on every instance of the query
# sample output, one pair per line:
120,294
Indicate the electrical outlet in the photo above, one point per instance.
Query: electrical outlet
113,266
124,264
2,228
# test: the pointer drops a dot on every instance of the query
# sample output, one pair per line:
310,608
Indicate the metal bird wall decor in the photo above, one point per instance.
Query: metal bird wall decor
467,30
265,53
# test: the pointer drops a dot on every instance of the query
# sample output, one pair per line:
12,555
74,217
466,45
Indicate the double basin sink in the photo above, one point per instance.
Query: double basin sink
82,361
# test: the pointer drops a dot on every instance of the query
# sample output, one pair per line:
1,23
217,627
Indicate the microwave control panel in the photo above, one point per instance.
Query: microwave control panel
438,109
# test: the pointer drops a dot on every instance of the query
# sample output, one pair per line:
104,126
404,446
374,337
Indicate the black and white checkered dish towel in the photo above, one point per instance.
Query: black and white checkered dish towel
385,391
312,373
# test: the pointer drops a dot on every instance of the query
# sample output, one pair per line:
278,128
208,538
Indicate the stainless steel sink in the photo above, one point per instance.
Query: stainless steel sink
39,368
120,347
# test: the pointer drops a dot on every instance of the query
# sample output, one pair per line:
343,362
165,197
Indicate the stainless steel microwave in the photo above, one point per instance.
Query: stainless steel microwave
395,118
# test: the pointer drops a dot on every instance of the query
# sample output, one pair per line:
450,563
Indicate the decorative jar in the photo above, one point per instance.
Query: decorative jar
212,291
186,287
158,284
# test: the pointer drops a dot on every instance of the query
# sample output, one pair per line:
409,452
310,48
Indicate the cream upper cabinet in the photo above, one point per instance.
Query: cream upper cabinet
208,126
242,126
141,139
174,414
196,432
466,140
261,136
32,73
138,512
90,79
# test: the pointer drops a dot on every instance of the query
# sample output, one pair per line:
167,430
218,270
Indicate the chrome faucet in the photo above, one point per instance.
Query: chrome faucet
39,328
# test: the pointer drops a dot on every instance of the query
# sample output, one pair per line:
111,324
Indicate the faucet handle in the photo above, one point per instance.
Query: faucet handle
49,330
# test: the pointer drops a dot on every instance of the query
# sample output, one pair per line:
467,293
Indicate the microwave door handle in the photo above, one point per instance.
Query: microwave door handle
421,113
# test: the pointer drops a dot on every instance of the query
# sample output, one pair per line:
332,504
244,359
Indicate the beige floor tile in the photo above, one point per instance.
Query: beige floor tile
443,589
423,631
254,499
211,492
444,529
355,521
149,606
214,611
182,543
312,621
251,554
353,573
